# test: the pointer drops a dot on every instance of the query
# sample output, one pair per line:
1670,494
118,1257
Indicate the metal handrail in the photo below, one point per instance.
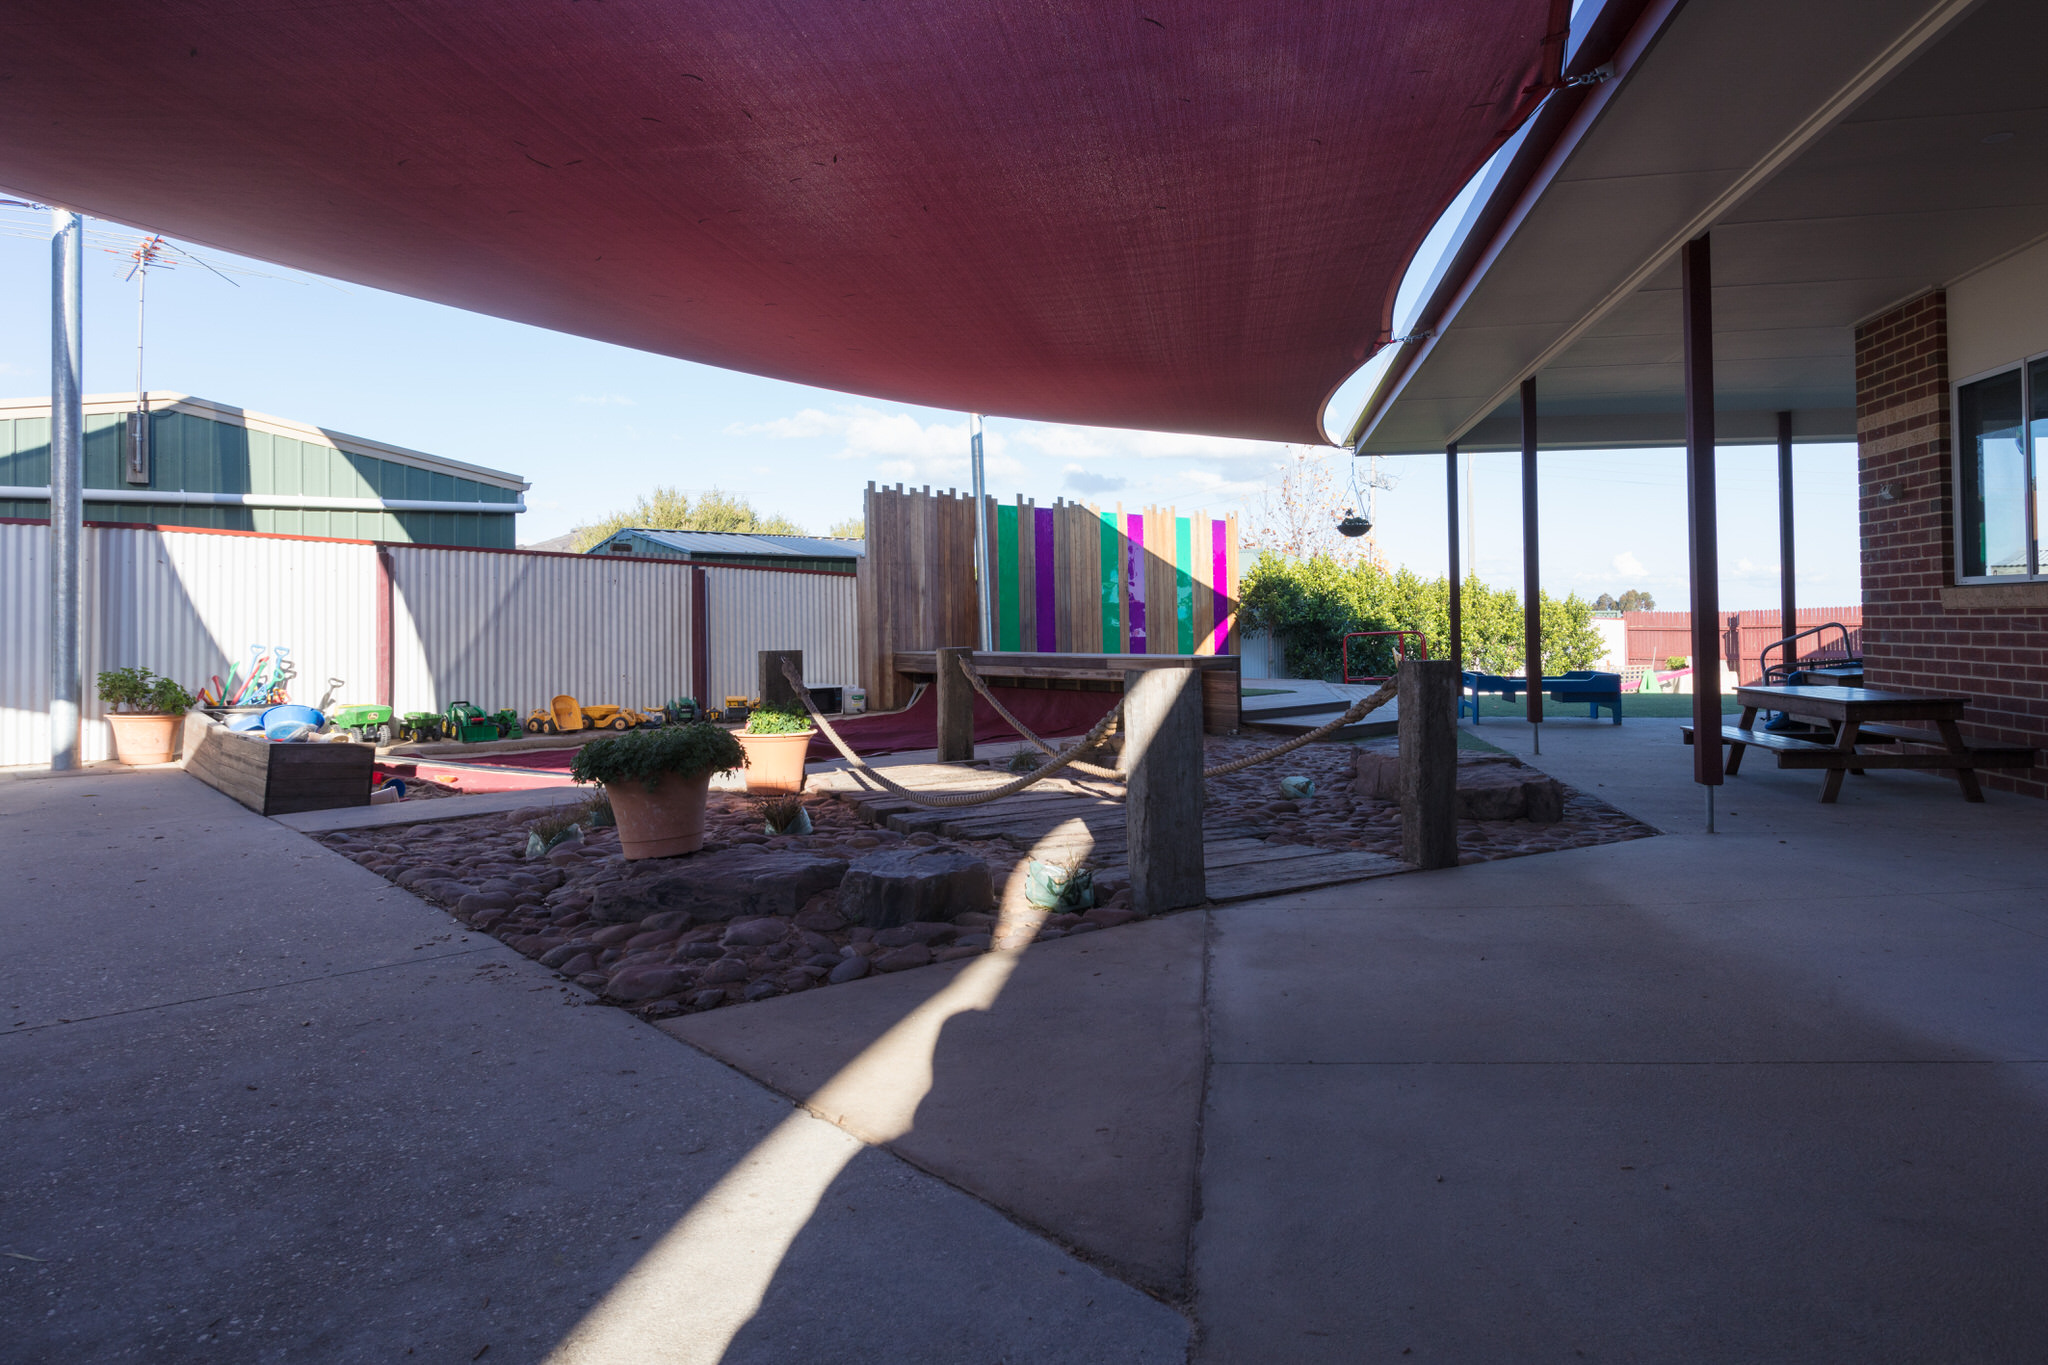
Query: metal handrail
1789,663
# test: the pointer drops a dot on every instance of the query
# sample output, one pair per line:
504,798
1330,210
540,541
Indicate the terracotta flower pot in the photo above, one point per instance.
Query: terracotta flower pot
775,763
664,822
144,738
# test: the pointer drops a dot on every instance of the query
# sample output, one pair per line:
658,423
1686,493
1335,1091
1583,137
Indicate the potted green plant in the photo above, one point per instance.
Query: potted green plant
657,781
776,739
147,711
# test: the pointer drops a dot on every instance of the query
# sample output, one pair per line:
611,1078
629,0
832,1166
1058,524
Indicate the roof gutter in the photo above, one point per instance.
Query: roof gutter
301,501
1614,42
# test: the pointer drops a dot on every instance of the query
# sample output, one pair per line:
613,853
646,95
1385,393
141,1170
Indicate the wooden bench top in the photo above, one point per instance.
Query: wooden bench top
1011,664
1975,756
1763,739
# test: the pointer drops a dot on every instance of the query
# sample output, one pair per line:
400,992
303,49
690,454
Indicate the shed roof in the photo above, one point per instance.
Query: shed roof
747,543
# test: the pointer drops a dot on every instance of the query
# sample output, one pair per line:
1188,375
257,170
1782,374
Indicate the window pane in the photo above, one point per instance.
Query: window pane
1992,520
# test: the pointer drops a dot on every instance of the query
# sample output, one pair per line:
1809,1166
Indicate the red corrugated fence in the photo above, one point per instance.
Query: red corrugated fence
1654,636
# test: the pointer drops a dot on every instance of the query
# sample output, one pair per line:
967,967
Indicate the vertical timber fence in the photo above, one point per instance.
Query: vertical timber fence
1068,579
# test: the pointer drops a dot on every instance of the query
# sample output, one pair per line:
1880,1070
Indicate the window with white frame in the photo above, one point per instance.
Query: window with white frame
2001,431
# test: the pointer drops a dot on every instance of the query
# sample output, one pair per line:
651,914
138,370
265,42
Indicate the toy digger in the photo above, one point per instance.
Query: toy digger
565,715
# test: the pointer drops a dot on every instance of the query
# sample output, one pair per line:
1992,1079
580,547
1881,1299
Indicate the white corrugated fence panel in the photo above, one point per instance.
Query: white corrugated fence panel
499,629
755,609
25,645
189,606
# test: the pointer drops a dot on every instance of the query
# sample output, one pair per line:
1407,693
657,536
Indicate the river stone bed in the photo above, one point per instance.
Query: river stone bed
565,909
556,909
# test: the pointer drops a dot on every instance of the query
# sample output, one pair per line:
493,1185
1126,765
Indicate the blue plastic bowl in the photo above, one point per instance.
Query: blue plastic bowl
291,713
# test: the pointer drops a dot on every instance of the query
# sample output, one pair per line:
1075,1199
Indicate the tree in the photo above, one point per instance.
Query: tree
1297,516
1309,605
1632,600
668,509
853,528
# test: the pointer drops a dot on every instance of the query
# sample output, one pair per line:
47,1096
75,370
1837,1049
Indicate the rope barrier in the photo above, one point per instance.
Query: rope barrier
988,695
1068,757
944,801
1358,711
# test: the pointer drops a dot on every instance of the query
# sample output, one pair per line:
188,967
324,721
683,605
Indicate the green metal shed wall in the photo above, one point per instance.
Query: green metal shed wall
198,455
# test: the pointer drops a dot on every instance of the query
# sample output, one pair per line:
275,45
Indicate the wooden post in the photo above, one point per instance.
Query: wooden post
1696,275
1162,759
1532,589
1788,597
1455,649
700,641
956,706
773,688
1428,723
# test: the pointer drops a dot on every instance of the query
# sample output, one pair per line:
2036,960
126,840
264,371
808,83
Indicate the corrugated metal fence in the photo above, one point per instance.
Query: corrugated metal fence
1655,636
749,610
497,628
185,605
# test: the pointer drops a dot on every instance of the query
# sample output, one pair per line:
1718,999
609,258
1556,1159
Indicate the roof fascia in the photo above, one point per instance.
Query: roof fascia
1623,32
1932,24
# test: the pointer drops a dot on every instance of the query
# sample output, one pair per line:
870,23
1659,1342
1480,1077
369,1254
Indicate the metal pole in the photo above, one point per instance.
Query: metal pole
1532,605
1696,271
1788,598
67,480
982,579
1457,641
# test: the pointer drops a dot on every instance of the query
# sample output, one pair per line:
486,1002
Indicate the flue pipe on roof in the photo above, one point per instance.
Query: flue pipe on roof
67,480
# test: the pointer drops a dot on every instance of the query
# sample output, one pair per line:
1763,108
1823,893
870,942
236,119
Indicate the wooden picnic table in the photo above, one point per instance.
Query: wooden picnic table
1860,717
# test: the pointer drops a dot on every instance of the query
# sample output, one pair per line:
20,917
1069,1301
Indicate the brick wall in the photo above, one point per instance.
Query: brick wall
1910,641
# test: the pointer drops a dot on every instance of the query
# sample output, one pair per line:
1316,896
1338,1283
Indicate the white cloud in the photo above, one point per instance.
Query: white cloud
606,400
1745,566
1626,563
1087,484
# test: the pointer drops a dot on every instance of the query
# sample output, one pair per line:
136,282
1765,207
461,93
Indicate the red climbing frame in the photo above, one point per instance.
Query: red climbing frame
1403,650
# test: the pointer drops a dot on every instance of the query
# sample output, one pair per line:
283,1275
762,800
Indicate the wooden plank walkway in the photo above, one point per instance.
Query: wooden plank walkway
1075,817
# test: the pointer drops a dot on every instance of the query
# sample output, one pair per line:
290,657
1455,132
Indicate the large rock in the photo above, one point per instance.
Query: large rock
1488,788
734,883
904,885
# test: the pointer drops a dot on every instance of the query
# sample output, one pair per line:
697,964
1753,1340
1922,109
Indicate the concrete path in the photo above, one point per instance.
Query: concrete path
1777,1094
262,1105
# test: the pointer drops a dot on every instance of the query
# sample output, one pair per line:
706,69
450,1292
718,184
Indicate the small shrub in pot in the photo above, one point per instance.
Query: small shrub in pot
776,739
657,781
147,711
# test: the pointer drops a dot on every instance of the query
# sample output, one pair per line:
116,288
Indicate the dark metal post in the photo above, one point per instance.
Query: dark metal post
1695,264
1456,650
1788,597
67,481
1532,606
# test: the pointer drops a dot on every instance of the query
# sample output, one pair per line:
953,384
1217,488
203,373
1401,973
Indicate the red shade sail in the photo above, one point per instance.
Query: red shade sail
1164,214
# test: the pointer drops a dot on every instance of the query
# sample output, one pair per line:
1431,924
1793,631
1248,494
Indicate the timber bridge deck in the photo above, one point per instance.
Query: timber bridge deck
1064,818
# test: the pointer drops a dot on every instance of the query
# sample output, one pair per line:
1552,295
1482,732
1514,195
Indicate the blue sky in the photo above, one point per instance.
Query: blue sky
592,425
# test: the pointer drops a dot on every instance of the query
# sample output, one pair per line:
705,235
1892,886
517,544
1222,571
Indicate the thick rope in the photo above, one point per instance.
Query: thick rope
988,695
1359,710
941,800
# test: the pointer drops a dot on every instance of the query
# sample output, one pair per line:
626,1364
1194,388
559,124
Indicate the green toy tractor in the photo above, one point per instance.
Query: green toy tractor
365,724
420,726
470,725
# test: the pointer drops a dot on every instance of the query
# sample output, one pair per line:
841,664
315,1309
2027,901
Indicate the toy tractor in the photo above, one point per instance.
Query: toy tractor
507,722
418,727
681,711
365,724
470,725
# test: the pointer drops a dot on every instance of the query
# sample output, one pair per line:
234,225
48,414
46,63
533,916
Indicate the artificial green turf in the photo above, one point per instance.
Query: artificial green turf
1649,705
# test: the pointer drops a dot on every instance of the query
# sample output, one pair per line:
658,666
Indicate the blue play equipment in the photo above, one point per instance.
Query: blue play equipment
1594,689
